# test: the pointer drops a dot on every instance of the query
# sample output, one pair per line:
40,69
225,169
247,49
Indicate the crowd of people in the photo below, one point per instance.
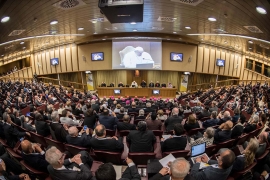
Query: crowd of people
143,84
14,69
83,119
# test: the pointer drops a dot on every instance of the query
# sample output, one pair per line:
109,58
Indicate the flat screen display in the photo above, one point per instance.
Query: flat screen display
97,56
117,91
137,54
54,61
176,57
155,91
197,149
221,62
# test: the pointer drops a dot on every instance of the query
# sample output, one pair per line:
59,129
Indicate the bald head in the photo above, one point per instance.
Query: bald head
100,130
179,168
73,131
26,146
226,114
175,111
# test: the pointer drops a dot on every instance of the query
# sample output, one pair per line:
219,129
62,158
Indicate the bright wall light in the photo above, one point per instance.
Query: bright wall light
5,19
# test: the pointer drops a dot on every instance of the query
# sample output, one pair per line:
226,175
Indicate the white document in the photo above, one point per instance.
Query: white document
164,161
166,136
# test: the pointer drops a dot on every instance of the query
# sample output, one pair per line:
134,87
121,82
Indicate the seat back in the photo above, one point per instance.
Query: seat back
176,154
141,158
38,139
242,139
95,167
136,121
123,133
226,144
240,173
210,150
33,171
259,159
194,131
158,133
75,149
25,110
106,157
59,145
110,133
52,133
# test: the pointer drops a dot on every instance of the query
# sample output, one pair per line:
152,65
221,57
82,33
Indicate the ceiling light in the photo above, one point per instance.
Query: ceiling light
5,19
133,23
250,42
95,32
53,22
261,10
22,42
174,18
187,27
212,19
135,30
103,39
174,32
202,39
250,48
2,55
24,47
81,28
94,21
225,42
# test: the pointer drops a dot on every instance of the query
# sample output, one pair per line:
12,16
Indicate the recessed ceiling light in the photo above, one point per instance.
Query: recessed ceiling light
53,22
202,39
22,42
24,47
103,39
94,21
225,42
2,55
133,23
250,42
187,27
95,32
212,19
135,30
81,28
174,32
261,10
5,19
174,18
250,48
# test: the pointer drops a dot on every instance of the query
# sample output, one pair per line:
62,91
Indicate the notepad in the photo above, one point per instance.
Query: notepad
164,161
166,136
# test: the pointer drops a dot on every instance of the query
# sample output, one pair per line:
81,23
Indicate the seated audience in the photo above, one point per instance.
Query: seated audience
141,140
169,123
152,122
205,113
77,167
27,125
67,120
191,123
149,108
108,121
125,125
60,131
34,156
117,109
213,121
121,113
219,169
81,139
160,115
133,108
141,114
262,140
176,142
252,124
61,108
90,118
213,107
237,130
208,137
236,115
225,117
223,132
41,125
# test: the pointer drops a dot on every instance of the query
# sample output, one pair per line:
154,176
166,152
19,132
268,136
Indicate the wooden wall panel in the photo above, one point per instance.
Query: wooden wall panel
217,56
30,73
75,57
68,58
63,59
57,55
25,72
206,59
212,62
228,63
222,56
39,62
231,73
240,65
48,63
250,76
20,74
200,59
51,55
44,63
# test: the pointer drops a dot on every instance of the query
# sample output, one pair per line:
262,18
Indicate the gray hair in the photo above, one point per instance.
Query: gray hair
72,131
175,111
227,114
148,104
210,132
141,112
52,156
54,116
256,118
180,168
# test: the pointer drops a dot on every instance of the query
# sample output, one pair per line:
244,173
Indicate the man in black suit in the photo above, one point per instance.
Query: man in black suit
121,113
100,142
176,142
169,123
237,130
81,139
120,84
141,140
34,156
149,108
50,100
252,124
112,84
12,134
143,83
125,125
223,132
77,167
151,84
163,85
133,108
157,84
103,84
60,131
108,121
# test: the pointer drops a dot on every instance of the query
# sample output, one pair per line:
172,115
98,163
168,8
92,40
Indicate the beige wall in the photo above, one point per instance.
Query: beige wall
252,75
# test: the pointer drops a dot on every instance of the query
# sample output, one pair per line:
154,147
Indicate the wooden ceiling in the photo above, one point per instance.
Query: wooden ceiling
34,17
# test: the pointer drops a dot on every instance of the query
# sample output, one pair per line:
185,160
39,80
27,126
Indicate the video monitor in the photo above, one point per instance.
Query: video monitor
54,61
97,56
220,62
137,54
176,57
117,91
155,91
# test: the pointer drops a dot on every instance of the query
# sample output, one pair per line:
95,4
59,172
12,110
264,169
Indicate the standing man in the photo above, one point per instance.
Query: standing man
143,83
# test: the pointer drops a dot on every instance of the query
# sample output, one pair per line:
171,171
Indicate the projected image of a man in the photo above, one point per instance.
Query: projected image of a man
138,56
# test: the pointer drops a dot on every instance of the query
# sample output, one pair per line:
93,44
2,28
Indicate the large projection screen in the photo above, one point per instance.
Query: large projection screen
137,54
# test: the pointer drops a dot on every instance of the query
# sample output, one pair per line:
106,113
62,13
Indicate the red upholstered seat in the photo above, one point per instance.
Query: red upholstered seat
33,171
176,154
210,150
38,139
226,144
158,133
240,173
59,145
75,149
106,157
142,157
242,139
123,133
195,131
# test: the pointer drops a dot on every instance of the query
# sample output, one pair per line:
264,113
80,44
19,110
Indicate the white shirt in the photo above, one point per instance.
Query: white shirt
131,59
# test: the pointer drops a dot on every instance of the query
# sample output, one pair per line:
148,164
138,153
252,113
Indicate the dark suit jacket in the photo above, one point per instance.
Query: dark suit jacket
12,134
237,131
120,116
209,172
90,121
203,114
222,135
169,123
107,144
66,174
28,127
141,141
151,84
174,144
167,177
108,121
239,164
59,131
125,126
153,124
36,161
82,141
42,128
188,127
133,110
249,128
210,122
149,109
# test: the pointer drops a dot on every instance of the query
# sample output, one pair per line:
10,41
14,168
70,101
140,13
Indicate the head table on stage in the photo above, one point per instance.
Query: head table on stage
140,92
